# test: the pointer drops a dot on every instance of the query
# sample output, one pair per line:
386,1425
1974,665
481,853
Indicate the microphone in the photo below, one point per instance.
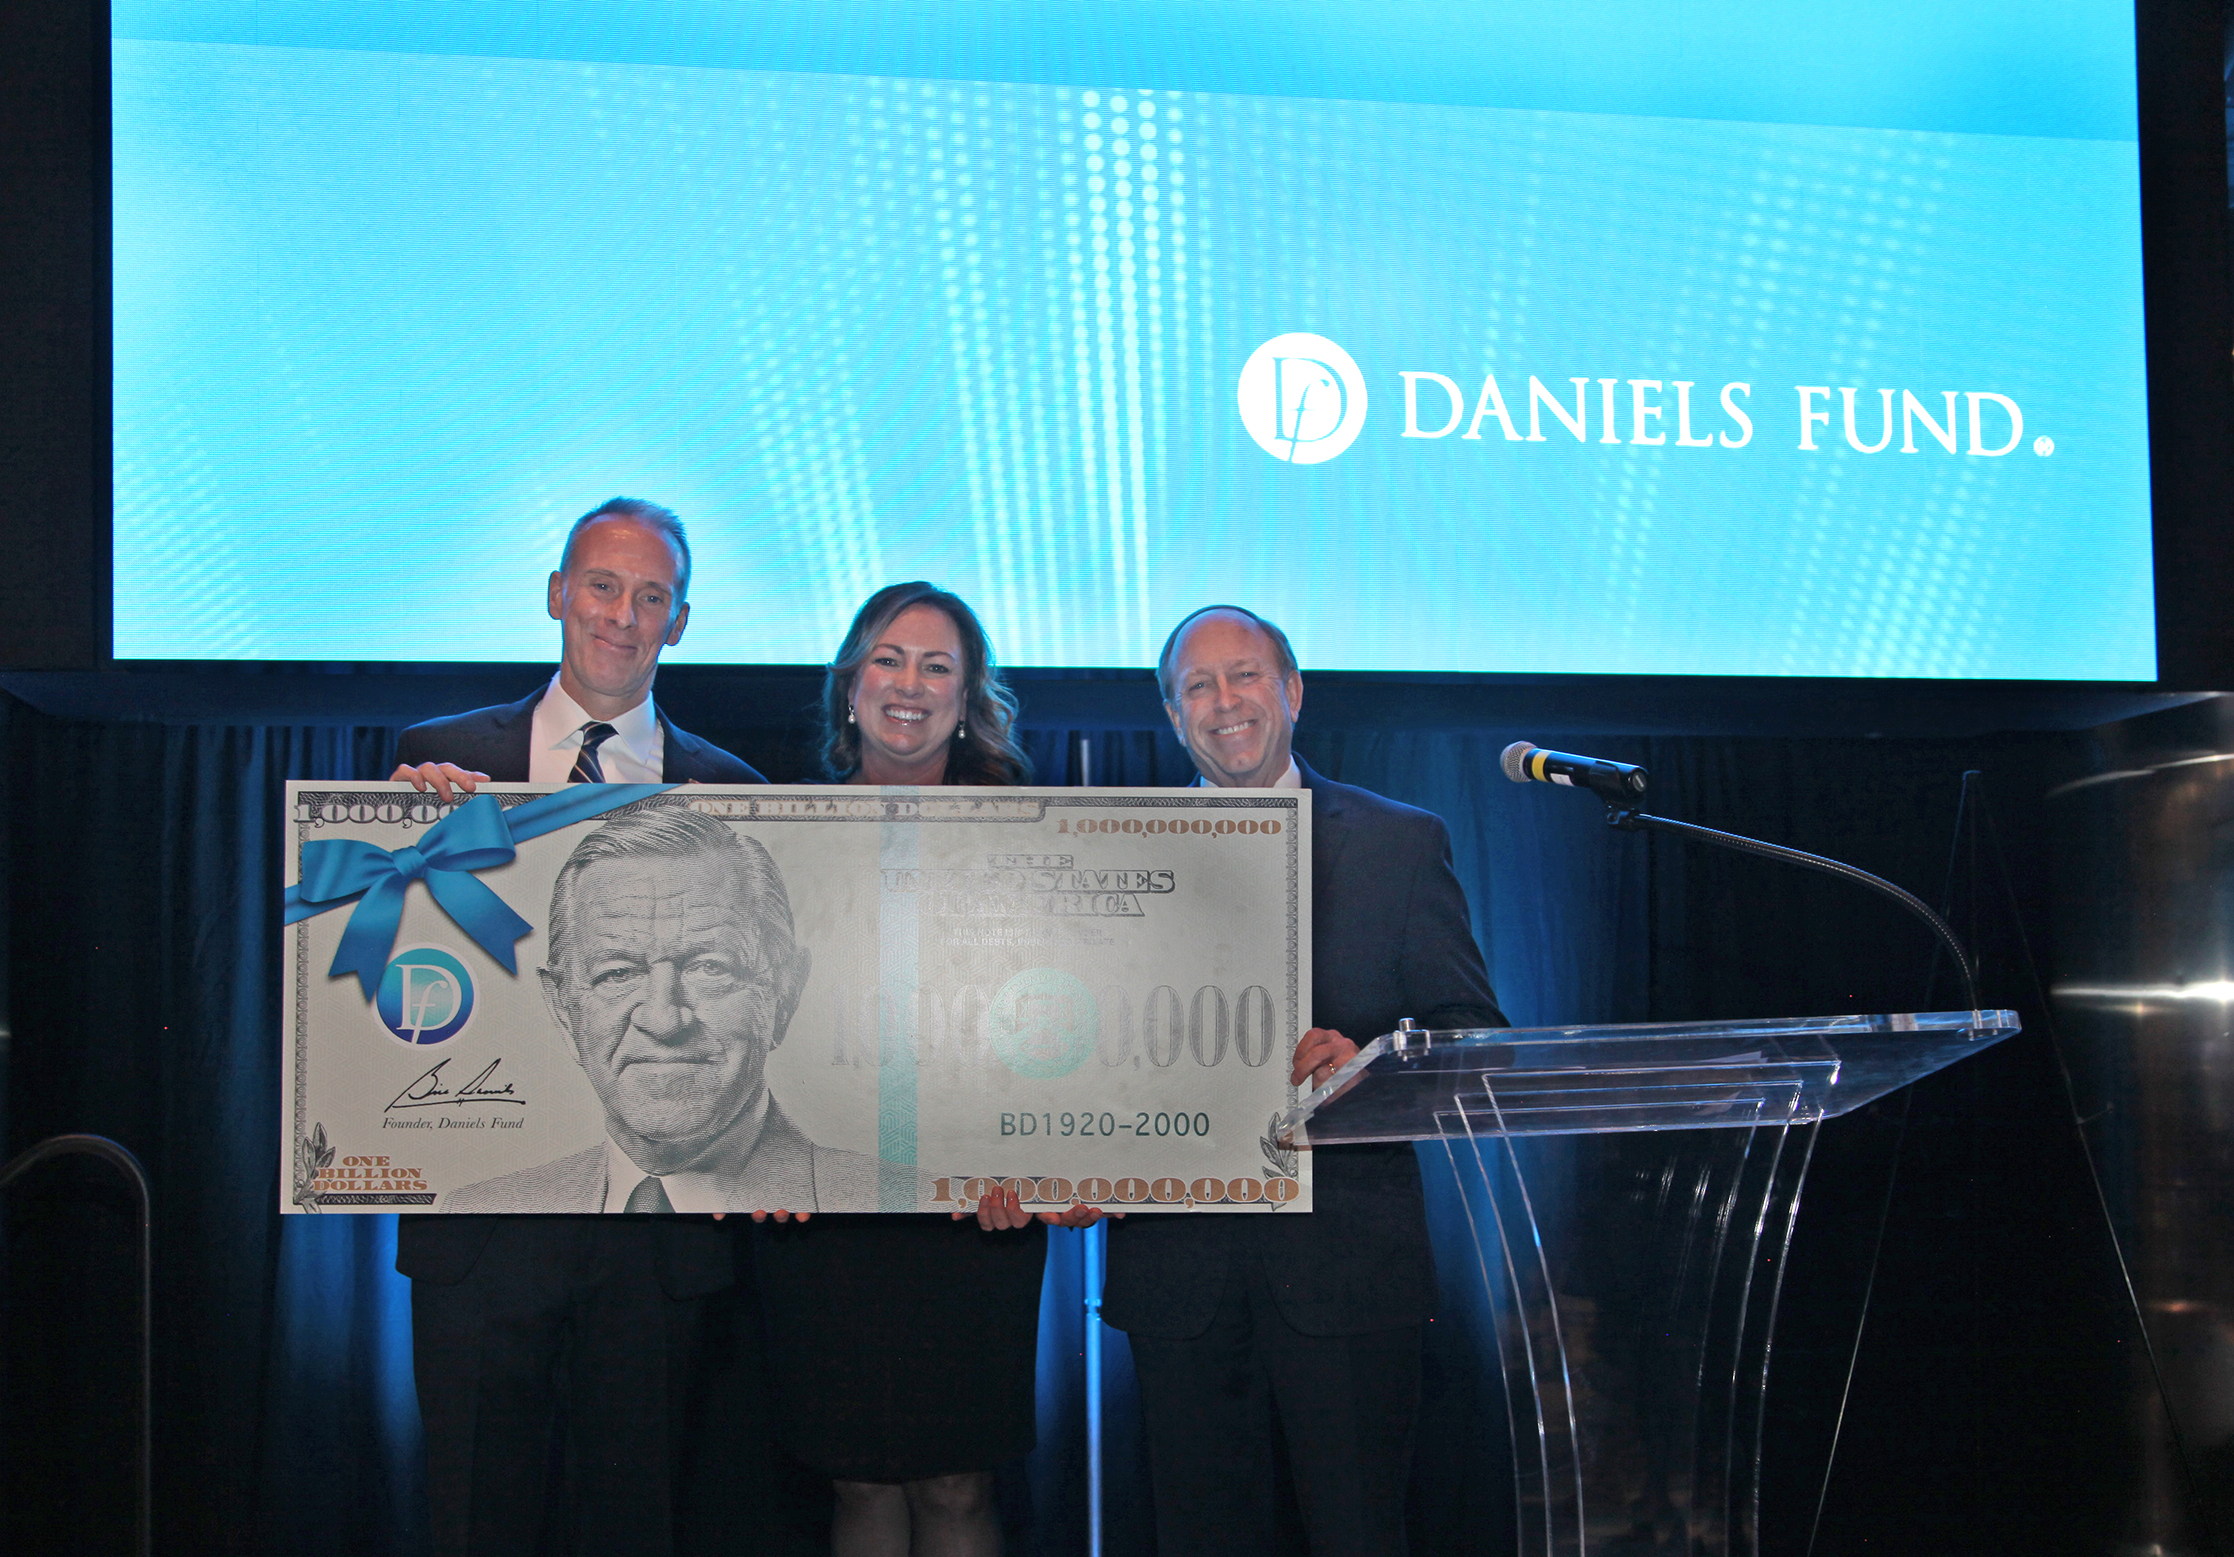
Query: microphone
1616,782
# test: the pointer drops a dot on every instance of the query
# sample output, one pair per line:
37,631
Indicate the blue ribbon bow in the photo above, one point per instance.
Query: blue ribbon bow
474,837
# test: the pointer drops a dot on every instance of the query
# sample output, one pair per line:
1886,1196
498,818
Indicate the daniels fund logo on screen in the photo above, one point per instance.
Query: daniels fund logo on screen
1302,398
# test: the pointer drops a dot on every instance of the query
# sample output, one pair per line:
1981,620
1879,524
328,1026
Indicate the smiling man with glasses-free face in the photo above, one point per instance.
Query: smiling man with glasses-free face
618,596
1232,692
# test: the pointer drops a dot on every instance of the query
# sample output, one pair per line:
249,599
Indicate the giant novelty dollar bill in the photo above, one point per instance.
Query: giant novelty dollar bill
614,997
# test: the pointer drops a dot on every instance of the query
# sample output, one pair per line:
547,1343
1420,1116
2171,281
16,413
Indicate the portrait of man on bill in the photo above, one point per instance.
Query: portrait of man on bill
673,972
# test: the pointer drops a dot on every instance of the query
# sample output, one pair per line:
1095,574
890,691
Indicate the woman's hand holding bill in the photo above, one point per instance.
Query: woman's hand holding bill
1000,1208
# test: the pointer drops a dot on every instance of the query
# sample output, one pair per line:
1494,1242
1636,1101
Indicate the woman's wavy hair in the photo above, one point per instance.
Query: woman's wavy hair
988,754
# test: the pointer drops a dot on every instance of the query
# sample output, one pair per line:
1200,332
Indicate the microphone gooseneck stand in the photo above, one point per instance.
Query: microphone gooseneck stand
1621,785
1628,819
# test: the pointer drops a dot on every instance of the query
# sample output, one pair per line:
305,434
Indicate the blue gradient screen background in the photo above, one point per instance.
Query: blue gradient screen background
964,291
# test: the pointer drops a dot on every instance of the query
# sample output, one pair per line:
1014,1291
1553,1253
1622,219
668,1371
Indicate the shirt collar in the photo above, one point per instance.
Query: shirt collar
1292,779
690,1189
635,732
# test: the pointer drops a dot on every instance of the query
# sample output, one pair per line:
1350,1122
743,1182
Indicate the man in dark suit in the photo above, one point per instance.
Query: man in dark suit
564,1344
1315,1318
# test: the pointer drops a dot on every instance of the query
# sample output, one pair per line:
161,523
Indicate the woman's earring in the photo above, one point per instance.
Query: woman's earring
961,732
849,714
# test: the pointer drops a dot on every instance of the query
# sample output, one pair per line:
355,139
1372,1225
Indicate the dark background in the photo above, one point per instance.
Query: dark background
1987,1410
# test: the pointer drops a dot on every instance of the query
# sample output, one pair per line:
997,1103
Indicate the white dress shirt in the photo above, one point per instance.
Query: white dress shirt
688,1190
1292,779
635,753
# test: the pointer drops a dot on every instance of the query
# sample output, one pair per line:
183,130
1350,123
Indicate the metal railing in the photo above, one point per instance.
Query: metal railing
125,1163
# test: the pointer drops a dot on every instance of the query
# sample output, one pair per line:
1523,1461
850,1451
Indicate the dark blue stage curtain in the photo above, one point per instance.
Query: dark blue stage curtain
145,1005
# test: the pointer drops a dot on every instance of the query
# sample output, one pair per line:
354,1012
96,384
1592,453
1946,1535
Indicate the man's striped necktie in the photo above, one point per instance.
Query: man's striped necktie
587,769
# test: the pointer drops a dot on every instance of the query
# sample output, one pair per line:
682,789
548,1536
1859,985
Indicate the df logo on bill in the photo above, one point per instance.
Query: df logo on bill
426,996
1302,398
1043,1023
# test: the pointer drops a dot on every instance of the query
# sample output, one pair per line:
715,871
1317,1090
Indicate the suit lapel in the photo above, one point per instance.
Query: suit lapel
1330,829
678,763
512,740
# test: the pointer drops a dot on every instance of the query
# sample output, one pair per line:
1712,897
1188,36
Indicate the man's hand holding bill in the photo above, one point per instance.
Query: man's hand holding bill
1318,1056
446,779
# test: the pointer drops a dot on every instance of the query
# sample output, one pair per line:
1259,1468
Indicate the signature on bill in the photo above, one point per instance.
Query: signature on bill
427,1090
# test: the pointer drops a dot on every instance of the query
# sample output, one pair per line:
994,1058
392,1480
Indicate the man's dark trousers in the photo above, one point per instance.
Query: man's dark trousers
553,1354
1317,1318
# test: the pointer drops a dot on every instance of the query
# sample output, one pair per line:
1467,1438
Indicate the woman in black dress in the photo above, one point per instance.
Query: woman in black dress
903,1346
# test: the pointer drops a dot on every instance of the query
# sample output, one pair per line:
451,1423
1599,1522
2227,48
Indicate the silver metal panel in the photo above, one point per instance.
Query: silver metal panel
2144,998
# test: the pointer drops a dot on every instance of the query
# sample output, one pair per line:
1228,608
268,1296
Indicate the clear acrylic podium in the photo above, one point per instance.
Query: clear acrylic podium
1631,1193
